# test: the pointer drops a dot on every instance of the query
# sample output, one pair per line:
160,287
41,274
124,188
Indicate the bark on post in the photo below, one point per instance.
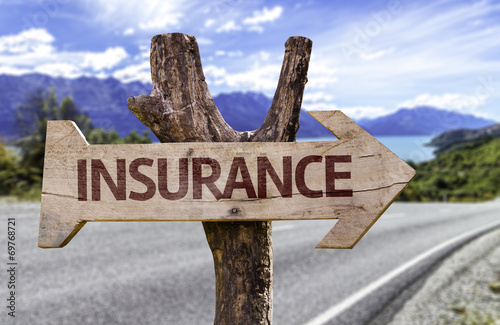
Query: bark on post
181,109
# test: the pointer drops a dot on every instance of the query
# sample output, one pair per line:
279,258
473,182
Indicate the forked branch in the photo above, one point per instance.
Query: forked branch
181,109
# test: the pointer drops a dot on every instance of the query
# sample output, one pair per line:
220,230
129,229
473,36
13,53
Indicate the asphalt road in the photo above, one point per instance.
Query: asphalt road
162,273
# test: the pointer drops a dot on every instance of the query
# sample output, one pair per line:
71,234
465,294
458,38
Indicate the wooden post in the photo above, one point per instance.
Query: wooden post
181,109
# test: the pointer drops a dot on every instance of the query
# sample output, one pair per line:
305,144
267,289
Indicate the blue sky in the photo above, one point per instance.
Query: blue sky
369,57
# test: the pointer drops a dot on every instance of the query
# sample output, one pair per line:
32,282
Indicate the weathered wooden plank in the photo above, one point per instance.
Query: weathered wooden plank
180,109
306,182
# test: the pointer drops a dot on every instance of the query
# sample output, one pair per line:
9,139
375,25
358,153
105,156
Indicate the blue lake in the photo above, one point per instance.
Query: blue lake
406,147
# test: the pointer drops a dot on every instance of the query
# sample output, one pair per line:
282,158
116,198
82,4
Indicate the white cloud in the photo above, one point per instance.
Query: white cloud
376,55
27,50
317,101
104,60
321,80
227,27
264,16
319,106
322,74
445,53
204,41
31,40
441,61
359,112
33,51
454,44
229,53
158,23
129,31
264,56
320,101
257,71
137,72
209,23
316,97
456,102
259,78
215,73
144,53
150,15
66,70
264,78
256,28
253,23
15,71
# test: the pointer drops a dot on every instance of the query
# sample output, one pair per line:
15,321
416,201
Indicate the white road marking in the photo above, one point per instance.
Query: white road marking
337,309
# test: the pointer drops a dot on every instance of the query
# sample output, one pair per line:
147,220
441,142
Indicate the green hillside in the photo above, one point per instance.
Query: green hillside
458,139
471,173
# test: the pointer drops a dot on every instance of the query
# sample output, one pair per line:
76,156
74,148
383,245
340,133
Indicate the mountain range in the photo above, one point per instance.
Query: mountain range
105,101
422,120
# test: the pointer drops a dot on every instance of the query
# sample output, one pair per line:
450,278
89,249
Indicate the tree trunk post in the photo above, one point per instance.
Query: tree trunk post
181,109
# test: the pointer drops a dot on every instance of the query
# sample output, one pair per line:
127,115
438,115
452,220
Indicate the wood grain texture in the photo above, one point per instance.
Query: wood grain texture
377,176
180,109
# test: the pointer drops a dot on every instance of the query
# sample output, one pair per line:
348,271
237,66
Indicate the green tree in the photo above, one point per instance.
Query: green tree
32,116
9,174
101,136
135,137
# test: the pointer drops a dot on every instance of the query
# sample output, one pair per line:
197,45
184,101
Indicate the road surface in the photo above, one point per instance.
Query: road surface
162,273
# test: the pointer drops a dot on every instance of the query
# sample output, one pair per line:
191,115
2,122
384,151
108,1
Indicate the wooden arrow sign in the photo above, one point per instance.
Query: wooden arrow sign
354,179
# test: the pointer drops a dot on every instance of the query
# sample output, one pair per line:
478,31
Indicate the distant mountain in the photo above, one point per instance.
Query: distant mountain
245,111
461,138
422,120
105,101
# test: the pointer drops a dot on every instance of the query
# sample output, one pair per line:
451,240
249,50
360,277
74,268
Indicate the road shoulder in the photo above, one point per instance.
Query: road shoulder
457,291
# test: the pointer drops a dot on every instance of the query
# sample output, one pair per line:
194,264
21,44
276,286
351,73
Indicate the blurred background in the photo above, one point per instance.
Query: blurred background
423,77
406,71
